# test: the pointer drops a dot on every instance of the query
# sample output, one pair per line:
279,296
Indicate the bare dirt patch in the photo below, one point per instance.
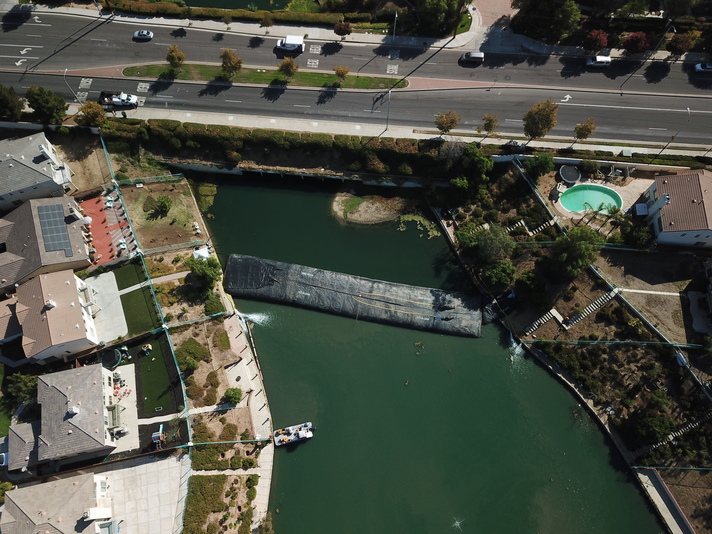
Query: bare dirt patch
86,157
157,231
371,209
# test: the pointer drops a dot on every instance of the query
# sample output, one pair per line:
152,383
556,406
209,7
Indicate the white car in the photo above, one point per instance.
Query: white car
472,58
703,67
143,35
291,43
598,61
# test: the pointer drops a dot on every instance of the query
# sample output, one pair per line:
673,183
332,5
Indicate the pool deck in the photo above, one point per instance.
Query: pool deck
628,193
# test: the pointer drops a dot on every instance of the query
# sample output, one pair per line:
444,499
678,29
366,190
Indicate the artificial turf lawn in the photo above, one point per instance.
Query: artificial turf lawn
155,383
129,275
140,311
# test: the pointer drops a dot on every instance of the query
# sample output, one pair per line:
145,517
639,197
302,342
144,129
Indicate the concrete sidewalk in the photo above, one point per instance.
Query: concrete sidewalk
464,133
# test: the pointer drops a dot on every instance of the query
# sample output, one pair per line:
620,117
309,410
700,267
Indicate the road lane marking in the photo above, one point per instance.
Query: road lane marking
32,35
163,96
234,101
301,106
663,129
391,69
314,63
513,120
100,40
85,83
633,107
23,46
21,57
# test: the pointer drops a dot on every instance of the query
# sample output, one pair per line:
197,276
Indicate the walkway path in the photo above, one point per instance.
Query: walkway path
159,280
650,292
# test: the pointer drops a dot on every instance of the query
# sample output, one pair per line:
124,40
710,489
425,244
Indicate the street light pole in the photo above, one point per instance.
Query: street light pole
76,99
388,112
665,31
395,21
673,137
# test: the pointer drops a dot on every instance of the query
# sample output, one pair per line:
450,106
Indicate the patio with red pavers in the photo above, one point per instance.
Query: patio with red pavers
110,233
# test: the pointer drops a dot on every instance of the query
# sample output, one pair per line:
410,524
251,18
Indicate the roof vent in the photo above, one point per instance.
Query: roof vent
694,201
50,303
672,223
73,410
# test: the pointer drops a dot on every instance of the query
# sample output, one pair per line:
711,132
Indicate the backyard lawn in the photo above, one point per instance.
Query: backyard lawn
140,311
129,275
155,381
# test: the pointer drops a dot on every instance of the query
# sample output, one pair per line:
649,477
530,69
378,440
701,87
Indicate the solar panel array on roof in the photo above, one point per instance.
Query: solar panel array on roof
54,229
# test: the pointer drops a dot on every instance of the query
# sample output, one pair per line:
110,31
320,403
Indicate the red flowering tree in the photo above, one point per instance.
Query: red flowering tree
596,40
636,43
681,43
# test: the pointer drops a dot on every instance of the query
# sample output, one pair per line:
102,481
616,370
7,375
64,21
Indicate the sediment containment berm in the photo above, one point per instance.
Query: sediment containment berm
354,296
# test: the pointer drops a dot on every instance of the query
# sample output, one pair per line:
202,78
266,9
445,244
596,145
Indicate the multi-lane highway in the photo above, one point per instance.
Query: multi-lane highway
652,103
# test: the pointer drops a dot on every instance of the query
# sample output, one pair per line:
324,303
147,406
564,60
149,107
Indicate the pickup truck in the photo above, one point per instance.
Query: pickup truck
116,99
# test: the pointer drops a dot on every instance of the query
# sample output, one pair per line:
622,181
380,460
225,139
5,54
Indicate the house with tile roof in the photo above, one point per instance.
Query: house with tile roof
78,418
80,503
677,212
30,167
42,236
54,315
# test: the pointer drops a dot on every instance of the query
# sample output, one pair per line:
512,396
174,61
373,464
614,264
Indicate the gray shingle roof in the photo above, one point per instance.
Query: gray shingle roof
65,435
56,507
60,434
690,192
22,445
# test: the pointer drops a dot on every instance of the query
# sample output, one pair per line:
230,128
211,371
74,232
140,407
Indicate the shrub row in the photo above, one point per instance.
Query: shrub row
176,10
204,498
373,155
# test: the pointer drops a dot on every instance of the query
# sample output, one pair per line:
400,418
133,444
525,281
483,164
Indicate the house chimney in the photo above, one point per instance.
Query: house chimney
50,304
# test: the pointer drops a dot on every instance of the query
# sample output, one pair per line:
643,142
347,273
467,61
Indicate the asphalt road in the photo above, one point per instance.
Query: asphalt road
511,84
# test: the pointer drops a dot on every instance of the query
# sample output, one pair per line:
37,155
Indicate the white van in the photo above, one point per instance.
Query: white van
598,61
291,43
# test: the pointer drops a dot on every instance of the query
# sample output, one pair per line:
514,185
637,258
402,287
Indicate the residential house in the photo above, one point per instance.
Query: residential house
80,503
54,314
676,209
30,167
78,419
42,236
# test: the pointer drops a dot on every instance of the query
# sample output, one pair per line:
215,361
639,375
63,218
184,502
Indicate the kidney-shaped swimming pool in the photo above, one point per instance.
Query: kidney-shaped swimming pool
590,197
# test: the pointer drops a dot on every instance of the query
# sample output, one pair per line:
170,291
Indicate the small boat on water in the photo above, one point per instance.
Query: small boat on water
293,434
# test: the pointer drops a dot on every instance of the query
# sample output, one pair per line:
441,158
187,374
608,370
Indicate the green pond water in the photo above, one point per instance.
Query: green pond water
480,440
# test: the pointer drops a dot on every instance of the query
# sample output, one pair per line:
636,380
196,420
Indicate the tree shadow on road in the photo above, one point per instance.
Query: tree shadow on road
215,87
255,42
179,33
572,67
274,90
16,17
329,49
656,71
164,81
327,93
396,52
218,37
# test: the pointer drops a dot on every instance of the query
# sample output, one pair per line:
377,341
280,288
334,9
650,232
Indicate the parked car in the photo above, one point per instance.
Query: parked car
703,67
291,43
598,61
472,58
143,35
3,459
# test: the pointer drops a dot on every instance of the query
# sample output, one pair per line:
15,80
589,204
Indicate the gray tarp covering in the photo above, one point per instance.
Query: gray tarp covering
353,296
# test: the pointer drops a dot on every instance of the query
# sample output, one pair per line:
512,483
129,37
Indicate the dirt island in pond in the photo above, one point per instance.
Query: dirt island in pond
371,209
